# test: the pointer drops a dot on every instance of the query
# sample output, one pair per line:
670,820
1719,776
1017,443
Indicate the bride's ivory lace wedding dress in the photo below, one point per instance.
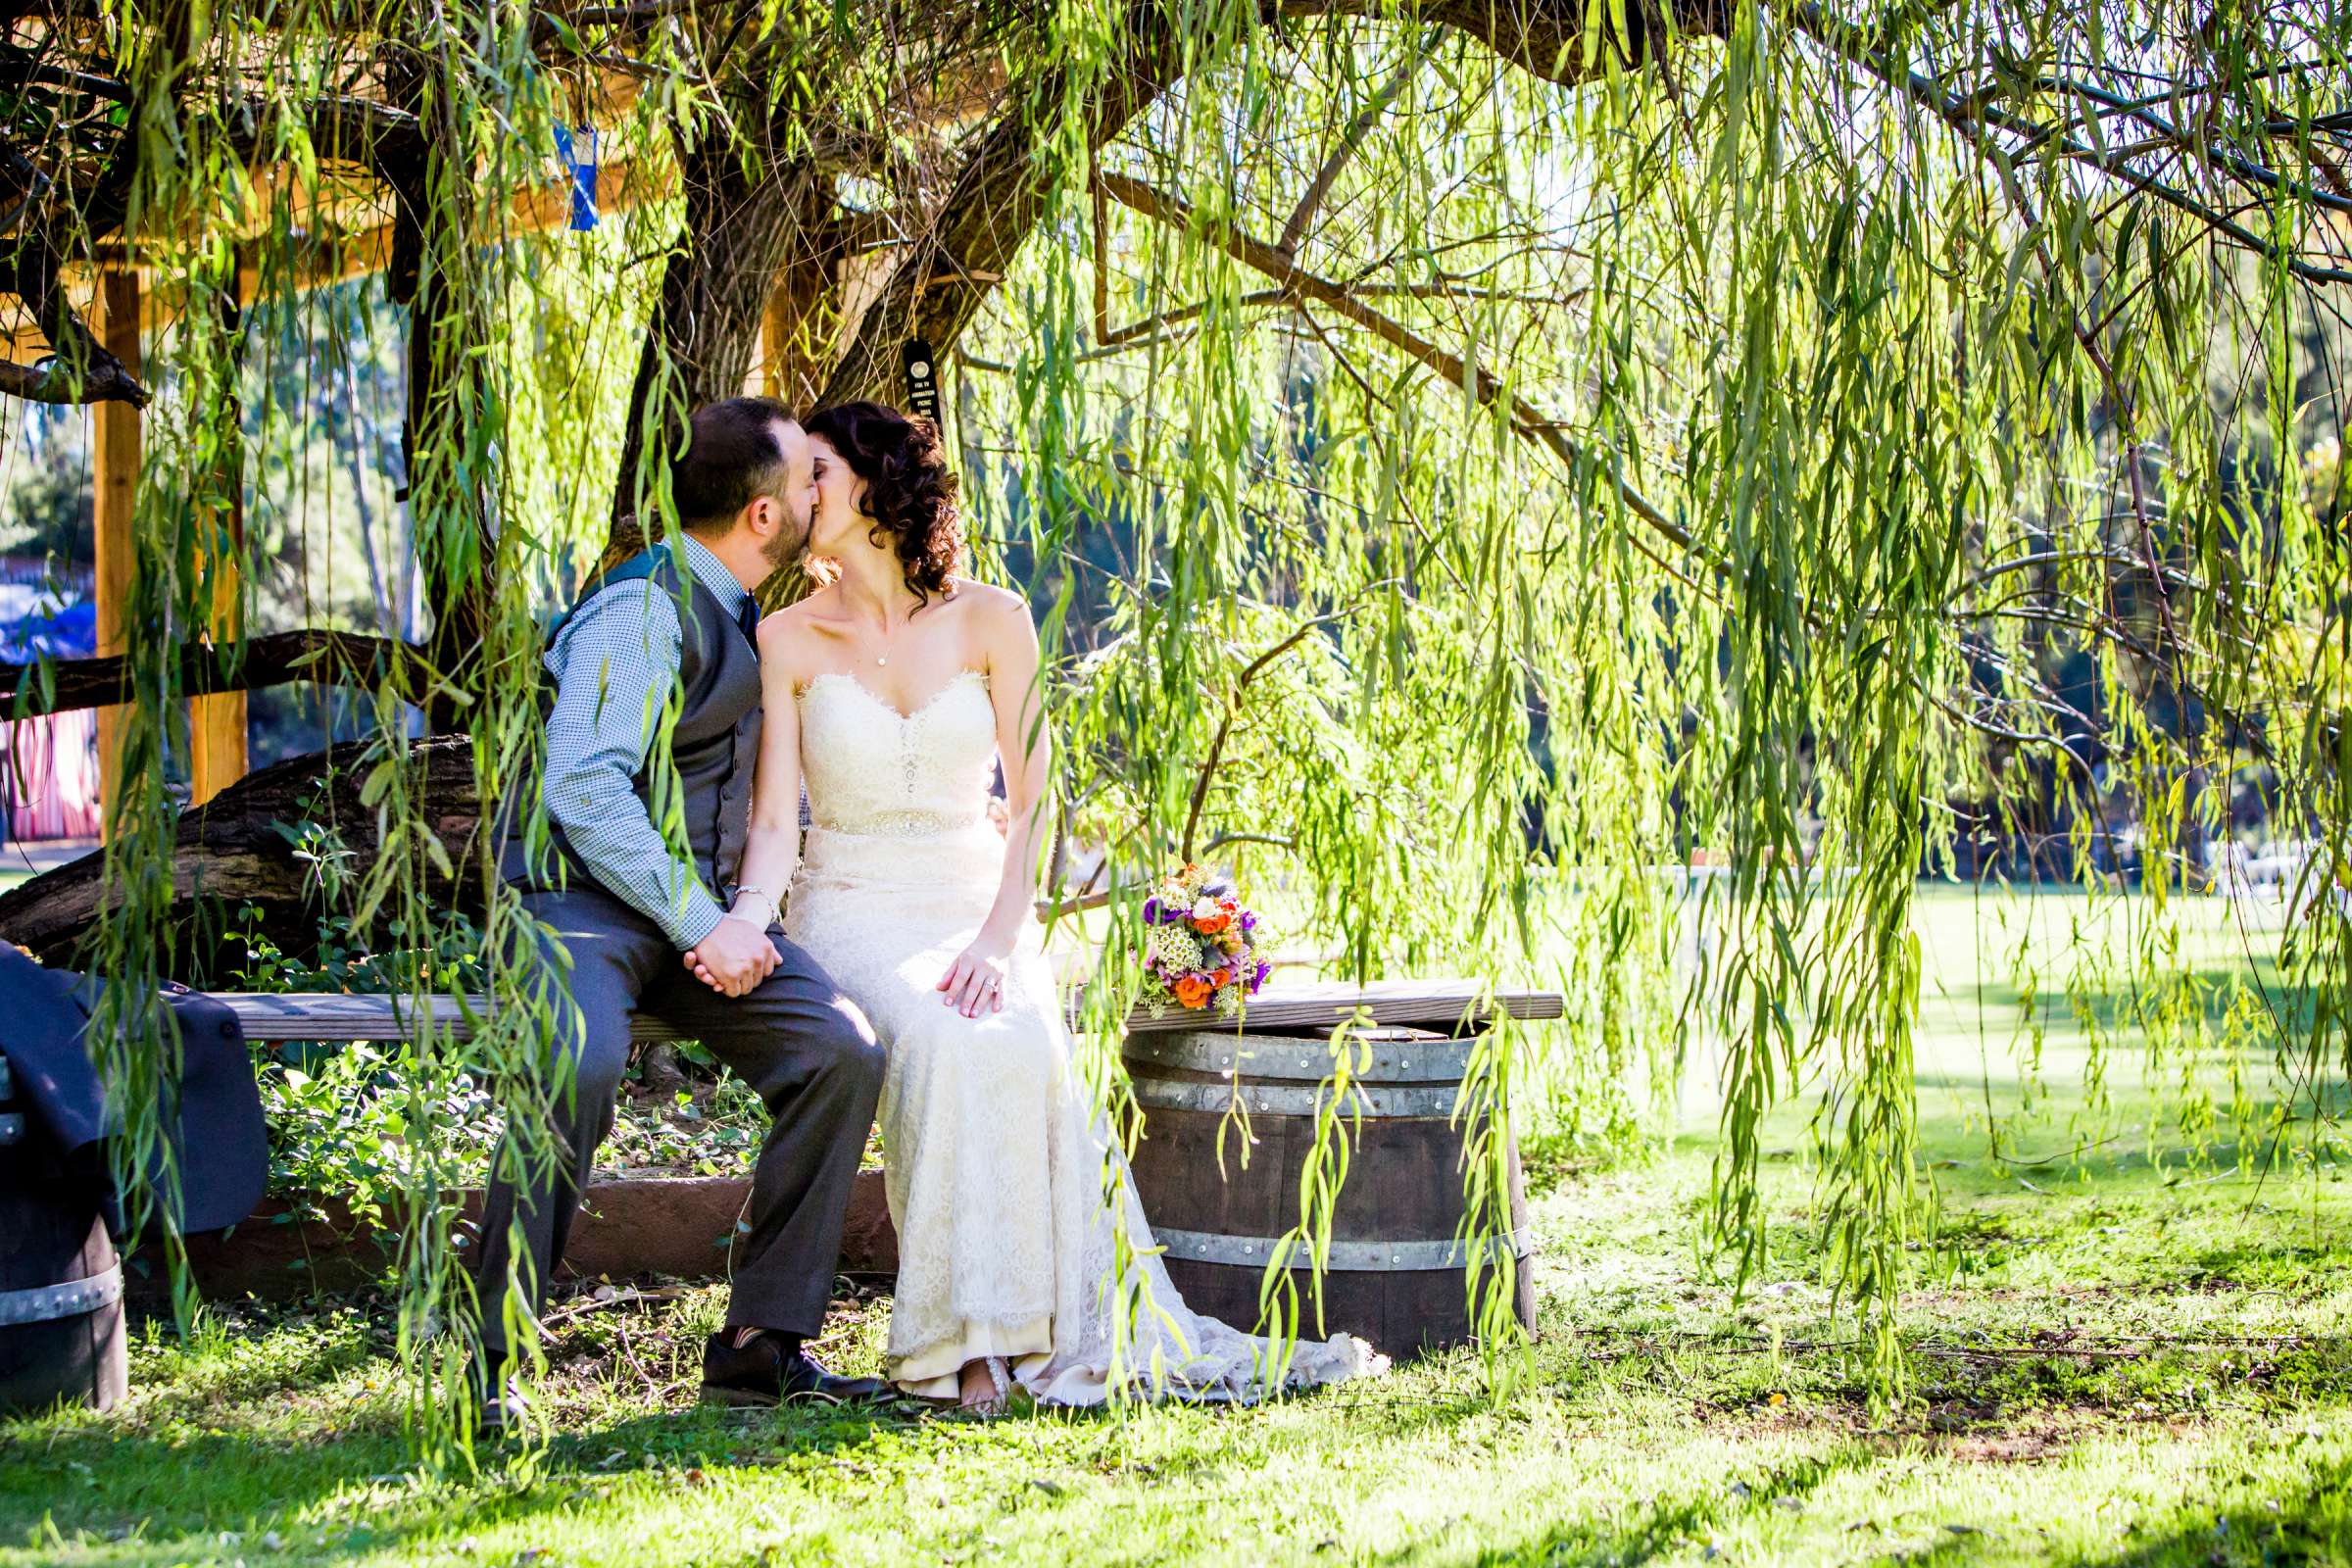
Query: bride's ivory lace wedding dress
998,1165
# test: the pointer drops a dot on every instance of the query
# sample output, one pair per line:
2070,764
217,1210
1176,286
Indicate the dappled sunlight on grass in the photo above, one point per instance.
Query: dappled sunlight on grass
2127,1349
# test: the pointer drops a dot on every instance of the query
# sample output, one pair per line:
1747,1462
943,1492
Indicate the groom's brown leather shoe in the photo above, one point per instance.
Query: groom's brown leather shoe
768,1370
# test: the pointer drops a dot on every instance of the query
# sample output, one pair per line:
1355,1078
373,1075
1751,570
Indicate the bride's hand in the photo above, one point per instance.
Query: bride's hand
975,982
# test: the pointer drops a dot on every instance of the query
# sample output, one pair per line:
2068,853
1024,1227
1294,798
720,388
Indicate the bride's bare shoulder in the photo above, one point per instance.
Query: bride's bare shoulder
988,602
789,634
804,616
999,634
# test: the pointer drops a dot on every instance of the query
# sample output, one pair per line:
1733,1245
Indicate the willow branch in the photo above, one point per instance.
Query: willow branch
19,68
1976,121
2245,168
1001,189
1301,284
1351,139
1240,683
81,370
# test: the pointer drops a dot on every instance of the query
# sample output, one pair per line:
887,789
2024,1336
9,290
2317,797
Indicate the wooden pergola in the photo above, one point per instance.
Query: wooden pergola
121,310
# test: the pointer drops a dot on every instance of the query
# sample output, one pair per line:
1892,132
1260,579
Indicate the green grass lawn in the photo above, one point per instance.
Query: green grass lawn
2125,1352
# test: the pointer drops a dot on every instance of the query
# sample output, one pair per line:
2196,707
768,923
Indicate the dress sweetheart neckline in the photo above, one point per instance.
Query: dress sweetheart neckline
879,700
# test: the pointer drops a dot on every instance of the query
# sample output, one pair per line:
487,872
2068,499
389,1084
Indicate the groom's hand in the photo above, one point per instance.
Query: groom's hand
734,957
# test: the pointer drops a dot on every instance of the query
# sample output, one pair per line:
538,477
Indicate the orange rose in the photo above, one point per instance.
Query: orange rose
1191,991
1221,977
1213,924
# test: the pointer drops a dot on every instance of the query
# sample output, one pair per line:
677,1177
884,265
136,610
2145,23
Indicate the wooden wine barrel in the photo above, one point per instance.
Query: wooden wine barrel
61,1284
1397,1275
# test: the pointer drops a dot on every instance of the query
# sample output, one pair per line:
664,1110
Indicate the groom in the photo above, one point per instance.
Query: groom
660,648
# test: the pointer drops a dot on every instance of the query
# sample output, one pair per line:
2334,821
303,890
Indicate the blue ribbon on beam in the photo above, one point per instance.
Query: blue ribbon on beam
577,147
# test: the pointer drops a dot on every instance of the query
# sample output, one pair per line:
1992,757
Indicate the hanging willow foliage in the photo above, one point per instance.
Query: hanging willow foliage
1472,459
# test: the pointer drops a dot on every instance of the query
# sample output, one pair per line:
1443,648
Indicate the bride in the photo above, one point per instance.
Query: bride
890,692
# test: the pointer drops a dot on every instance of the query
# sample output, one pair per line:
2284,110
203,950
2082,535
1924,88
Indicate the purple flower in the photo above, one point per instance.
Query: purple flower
1249,922
1259,978
1151,911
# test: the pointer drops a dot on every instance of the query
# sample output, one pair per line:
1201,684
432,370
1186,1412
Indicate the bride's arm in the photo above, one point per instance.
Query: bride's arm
771,846
974,982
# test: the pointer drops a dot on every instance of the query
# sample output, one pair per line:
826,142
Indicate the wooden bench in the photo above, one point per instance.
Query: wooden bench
672,1225
1282,1009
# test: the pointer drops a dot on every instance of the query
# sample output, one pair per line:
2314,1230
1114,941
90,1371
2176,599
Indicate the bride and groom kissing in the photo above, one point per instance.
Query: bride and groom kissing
888,961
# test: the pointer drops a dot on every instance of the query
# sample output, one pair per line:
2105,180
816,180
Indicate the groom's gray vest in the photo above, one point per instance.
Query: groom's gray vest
713,747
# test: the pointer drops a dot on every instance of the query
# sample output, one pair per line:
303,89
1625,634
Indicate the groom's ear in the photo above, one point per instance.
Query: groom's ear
762,517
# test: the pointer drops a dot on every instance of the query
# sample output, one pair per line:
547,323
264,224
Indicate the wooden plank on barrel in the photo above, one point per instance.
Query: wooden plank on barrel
1446,1004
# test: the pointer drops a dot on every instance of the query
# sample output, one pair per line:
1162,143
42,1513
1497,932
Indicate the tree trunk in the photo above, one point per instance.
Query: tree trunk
749,237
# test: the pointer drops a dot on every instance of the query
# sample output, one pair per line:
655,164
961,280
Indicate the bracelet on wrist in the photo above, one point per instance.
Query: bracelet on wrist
757,900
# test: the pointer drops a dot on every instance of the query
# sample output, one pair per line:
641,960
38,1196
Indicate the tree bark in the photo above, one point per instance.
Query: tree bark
230,851
747,234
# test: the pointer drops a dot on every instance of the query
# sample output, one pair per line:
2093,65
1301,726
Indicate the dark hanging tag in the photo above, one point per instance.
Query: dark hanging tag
922,380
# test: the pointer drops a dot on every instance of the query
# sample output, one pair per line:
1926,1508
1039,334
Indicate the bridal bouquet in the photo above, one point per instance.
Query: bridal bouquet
1199,948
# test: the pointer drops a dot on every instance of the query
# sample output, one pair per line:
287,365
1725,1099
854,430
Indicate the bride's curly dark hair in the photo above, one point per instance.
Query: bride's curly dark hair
910,491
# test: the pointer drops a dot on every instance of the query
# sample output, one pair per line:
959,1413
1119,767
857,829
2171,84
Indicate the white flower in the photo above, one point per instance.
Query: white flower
1174,947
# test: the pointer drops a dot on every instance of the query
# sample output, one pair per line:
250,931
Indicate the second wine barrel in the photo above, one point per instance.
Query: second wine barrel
61,1283
1398,1273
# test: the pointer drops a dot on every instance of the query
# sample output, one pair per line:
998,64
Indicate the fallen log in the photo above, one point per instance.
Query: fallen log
230,851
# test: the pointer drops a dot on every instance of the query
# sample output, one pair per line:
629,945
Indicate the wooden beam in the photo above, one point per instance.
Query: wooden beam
278,660
115,440
324,262
320,260
217,757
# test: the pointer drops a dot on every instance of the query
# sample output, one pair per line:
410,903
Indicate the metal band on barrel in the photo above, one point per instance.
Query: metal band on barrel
1305,1060
1261,1099
1346,1257
70,1298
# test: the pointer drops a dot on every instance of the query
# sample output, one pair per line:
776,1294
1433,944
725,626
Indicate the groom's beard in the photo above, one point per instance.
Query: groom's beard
788,548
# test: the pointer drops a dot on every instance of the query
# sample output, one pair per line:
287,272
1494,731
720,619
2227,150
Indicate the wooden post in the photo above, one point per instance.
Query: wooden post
216,723
116,443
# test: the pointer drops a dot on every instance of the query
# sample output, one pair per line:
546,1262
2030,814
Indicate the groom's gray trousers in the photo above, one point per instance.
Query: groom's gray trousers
796,1040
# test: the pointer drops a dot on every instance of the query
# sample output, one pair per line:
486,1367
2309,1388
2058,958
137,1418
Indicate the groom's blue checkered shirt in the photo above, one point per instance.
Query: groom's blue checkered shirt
615,662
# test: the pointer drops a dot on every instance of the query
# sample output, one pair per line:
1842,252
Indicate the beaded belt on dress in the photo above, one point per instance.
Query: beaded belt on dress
904,825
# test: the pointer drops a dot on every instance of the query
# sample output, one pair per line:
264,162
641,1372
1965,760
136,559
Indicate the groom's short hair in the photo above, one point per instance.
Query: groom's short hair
731,456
